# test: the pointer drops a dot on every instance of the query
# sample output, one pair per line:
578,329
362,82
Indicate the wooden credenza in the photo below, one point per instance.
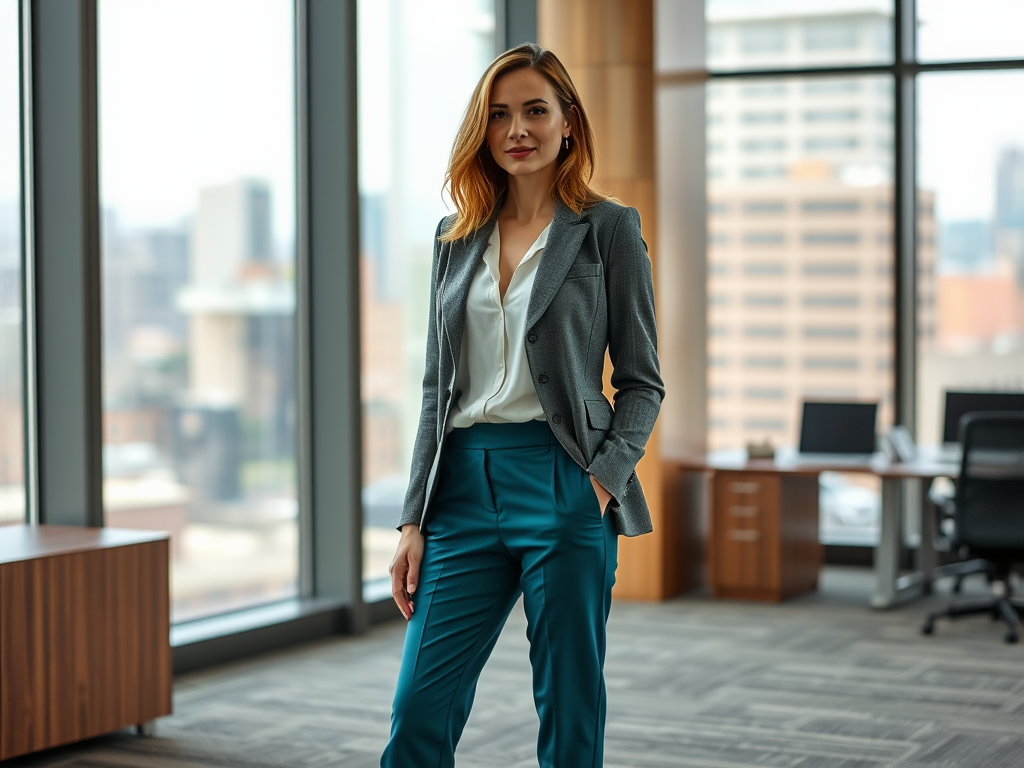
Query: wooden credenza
763,537
84,633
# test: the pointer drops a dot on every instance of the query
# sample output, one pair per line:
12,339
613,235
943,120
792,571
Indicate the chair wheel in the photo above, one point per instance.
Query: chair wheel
927,628
1011,637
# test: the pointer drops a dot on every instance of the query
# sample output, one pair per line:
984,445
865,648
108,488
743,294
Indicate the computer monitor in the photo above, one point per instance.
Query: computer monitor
838,427
959,403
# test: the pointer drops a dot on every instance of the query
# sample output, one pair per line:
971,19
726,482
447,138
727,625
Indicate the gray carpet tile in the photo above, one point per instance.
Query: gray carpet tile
817,682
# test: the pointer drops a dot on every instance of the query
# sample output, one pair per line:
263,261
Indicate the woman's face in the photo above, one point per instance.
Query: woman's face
525,125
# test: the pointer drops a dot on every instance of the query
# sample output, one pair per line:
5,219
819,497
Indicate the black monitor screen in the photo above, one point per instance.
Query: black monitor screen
838,428
959,403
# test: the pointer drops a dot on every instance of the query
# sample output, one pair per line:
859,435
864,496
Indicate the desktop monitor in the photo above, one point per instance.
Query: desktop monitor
960,403
838,428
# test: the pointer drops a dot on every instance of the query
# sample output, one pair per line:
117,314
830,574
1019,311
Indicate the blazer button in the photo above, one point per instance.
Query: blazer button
532,338
543,378
447,394
556,418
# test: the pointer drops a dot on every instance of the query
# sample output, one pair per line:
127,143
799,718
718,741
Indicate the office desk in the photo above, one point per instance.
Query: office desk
890,586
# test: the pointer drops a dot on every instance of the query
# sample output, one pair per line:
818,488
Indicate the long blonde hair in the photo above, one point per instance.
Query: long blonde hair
475,181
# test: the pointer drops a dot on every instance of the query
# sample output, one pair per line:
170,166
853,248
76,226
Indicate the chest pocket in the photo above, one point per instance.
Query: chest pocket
586,269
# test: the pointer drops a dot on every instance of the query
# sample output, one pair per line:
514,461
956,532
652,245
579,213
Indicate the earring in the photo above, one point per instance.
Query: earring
566,142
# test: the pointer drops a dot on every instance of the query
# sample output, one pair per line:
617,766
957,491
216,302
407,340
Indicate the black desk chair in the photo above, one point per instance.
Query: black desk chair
987,515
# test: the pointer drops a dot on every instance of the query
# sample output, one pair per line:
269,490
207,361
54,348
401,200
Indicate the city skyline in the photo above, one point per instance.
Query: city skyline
138,127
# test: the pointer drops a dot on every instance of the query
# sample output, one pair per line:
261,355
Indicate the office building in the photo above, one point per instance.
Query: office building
1010,208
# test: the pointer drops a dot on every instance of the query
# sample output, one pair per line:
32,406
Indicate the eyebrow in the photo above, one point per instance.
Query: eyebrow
525,103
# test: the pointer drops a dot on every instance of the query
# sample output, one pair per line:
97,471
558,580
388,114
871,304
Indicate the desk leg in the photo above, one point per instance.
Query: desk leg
887,552
927,559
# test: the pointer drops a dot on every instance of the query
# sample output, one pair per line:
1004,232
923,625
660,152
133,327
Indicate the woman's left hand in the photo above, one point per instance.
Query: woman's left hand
602,495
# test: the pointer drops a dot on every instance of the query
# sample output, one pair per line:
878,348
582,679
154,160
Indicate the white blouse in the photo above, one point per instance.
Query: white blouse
494,374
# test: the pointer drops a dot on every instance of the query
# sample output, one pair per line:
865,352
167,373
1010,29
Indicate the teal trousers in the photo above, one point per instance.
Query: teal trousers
513,514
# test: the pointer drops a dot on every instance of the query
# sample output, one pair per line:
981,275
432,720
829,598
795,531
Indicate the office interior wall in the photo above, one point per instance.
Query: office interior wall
682,309
682,230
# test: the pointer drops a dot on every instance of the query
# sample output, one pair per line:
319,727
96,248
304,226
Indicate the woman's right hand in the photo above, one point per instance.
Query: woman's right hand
405,568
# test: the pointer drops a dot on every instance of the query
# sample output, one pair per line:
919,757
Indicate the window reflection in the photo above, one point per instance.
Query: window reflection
407,125
197,177
12,448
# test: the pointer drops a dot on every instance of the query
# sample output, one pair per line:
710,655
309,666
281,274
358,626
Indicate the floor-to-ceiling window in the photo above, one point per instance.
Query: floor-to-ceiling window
800,186
12,447
418,64
197,167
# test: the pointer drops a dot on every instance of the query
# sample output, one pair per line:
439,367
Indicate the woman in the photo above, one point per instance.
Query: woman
522,473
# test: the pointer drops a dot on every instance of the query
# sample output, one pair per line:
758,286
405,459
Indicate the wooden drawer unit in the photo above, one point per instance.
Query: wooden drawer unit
763,535
84,633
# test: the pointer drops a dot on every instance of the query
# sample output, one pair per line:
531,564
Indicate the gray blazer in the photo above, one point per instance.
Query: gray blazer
593,291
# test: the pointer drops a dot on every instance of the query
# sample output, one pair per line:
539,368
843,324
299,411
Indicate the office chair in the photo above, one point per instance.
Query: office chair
985,518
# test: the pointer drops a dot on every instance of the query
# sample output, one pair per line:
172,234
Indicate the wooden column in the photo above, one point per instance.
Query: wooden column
608,48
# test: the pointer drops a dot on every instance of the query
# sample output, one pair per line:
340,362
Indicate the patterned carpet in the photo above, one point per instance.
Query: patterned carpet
818,682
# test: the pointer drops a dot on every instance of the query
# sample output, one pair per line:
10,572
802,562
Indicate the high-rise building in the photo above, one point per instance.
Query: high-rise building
1010,189
800,294
232,279
240,304
764,129
1009,223
143,331
965,246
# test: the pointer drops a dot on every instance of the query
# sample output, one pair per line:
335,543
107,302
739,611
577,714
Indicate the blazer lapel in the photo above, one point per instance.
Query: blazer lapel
564,241
462,263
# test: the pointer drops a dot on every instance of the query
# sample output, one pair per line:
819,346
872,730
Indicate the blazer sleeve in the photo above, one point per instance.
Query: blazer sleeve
426,434
633,349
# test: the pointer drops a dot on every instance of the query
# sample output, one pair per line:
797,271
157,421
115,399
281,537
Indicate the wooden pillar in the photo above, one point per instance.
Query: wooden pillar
608,48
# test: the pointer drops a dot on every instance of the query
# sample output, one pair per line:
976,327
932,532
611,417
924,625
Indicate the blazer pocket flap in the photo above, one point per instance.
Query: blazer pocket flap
588,269
599,414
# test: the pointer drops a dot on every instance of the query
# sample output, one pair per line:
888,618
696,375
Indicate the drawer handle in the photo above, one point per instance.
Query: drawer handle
739,511
745,487
743,535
